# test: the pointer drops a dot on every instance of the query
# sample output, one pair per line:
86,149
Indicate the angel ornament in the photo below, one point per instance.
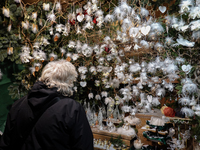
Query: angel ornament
111,126
100,119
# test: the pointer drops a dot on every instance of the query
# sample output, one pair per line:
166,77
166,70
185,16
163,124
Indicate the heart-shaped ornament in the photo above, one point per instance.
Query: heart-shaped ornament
187,68
162,9
80,18
145,30
83,84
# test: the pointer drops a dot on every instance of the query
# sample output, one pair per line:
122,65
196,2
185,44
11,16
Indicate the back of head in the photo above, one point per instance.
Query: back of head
60,74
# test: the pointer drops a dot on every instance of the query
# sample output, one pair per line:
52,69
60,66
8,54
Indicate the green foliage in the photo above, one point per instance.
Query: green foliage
118,141
196,128
120,124
16,90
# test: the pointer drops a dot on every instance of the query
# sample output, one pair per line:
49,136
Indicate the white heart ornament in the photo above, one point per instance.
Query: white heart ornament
162,9
83,84
187,68
80,18
145,30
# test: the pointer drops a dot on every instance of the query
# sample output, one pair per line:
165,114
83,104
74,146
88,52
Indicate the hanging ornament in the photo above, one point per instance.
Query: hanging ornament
10,50
63,51
83,83
68,58
6,12
51,17
45,42
9,27
184,101
39,55
53,56
34,15
145,29
56,37
80,17
40,22
185,42
75,57
162,9
82,69
90,95
46,6
25,24
187,68
78,30
32,70
59,27
37,66
34,28
187,111
58,7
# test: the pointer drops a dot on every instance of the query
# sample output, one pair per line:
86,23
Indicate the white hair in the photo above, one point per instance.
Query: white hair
60,74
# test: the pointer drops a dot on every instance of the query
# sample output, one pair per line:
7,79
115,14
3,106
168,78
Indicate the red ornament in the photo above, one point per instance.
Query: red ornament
95,21
72,22
169,112
107,49
85,12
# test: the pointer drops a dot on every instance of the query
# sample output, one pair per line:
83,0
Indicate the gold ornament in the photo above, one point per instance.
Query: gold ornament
68,59
37,68
10,50
52,58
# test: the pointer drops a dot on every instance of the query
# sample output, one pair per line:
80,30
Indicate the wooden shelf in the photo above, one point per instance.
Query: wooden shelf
178,118
105,135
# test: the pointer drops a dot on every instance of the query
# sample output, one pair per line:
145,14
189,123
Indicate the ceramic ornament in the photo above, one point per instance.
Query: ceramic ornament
83,84
138,144
145,30
80,17
186,68
162,9
185,42
188,112
46,6
6,12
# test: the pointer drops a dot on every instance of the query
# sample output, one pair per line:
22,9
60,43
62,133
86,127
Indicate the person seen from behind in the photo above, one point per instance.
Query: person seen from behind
47,118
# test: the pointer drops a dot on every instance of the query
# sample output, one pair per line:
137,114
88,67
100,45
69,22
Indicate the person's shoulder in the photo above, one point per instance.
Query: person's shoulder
18,102
70,102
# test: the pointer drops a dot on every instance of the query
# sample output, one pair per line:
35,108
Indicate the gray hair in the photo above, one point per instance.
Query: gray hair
60,74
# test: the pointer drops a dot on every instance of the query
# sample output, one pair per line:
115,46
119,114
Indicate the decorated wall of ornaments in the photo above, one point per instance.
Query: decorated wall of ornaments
124,56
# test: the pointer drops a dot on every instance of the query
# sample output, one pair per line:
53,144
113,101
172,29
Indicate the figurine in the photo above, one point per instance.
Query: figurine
137,144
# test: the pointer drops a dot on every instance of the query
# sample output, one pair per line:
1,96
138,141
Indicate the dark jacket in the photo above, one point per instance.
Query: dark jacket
63,126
